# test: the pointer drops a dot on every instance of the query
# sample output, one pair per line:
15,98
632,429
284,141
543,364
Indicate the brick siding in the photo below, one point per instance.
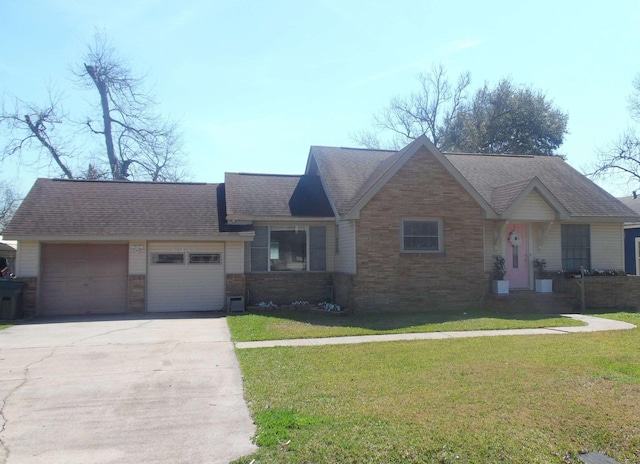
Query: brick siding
603,292
343,289
285,287
236,285
136,297
388,280
29,295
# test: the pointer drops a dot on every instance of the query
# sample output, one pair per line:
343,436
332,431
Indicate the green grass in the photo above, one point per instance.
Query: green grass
4,325
279,325
526,399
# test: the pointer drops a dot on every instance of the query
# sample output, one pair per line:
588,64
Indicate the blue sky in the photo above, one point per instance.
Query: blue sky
255,83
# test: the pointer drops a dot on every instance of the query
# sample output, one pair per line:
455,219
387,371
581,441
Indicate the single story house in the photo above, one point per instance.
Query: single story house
632,237
8,252
384,230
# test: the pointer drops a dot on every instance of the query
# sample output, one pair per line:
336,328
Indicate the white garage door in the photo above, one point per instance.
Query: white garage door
185,277
83,279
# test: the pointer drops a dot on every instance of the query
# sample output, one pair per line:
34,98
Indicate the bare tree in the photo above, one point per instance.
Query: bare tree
31,127
428,111
9,201
622,157
138,144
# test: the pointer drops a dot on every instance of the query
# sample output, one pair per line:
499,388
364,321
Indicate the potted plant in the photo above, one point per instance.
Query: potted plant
543,284
500,284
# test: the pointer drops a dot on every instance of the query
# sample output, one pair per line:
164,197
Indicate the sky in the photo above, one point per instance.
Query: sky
254,83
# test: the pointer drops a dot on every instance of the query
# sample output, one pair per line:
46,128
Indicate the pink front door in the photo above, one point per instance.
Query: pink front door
516,256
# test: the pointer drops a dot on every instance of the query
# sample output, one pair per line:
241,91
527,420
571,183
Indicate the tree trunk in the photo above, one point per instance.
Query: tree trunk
106,117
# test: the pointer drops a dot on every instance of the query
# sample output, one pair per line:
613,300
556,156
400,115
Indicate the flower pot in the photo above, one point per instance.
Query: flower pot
544,285
501,287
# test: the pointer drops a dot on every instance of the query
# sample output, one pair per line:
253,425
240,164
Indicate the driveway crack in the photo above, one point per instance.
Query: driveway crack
101,334
4,449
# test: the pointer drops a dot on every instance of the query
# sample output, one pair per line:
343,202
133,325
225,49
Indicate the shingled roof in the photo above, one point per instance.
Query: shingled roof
499,180
255,196
66,208
348,172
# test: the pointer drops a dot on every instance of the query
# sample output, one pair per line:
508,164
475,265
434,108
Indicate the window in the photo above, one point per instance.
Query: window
289,248
422,236
259,249
576,246
167,258
317,248
204,258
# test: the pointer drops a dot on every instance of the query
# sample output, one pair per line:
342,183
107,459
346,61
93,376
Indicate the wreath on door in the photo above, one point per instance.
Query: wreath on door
515,238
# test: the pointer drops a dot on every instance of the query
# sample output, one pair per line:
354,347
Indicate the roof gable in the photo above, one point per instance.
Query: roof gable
353,176
508,197
505,180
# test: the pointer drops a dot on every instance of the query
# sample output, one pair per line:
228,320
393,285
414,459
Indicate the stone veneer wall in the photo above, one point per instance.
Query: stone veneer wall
603,292
388,280
136,298
285,287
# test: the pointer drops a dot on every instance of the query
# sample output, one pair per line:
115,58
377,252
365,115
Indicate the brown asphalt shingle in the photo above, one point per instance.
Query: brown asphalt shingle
578,195
349,171
100,208
269,195
349,174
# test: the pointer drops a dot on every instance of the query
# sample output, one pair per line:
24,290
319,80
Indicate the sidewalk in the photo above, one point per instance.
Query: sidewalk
594,324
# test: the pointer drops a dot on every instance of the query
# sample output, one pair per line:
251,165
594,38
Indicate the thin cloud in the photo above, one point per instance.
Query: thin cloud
458,45
385,74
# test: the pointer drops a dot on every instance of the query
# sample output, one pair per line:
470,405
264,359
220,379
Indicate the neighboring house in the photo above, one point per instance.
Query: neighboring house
414,229
8,252
632,237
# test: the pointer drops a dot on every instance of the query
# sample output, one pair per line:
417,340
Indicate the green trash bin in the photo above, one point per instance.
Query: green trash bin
11,299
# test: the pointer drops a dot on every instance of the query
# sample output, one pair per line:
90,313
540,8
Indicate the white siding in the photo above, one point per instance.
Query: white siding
186,287
533,208
345,259
491,248
547,245
331,247
137,258
234,257
28,259
607,246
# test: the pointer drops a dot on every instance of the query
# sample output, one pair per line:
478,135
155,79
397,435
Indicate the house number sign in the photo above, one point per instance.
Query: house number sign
515,238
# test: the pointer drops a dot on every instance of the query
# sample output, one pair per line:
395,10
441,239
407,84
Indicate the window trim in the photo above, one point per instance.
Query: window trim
156,254
563,227
216,258
440,223
307,247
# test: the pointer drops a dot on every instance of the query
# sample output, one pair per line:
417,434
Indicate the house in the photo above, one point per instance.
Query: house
632,237
384,230
8,252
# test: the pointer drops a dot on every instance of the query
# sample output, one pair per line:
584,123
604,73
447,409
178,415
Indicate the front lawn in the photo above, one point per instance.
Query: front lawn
526,399
280,325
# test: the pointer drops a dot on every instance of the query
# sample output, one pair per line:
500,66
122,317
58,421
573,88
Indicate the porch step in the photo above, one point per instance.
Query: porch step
531,301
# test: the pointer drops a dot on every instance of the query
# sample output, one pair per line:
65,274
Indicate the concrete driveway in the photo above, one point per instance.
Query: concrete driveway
146,390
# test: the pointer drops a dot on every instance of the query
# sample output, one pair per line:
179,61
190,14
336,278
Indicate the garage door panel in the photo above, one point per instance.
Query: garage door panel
83,279
185,286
